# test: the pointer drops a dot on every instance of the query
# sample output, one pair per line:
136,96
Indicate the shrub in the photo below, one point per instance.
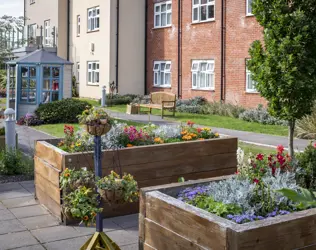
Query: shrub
64,111
306,127
261,115
120,99
13,162
2,131
30,120
307,162
197,109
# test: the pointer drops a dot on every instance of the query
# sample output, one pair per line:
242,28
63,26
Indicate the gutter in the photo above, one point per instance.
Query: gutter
117,43
68,29
179,49
223,47
145,54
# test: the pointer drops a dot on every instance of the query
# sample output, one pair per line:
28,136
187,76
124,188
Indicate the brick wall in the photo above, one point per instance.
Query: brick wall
203,41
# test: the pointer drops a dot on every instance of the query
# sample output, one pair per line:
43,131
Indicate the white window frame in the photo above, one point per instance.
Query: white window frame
93,19
161,69
32,1
208,72
248,3
160,13
197,4
78,25
78,72
93,77
253,83
47,33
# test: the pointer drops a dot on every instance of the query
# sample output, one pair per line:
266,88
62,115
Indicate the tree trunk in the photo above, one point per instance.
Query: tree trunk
291,137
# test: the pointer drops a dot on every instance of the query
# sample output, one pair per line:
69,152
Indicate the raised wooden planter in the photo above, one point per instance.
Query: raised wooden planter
169,224
150,166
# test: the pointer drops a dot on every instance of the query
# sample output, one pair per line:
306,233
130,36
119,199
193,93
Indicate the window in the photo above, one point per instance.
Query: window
32,1
162,73
203,75
28,85
94,19
250,83
163,12
47,35
203,10
78,25
51,80
78,72
12,83
32,31
93,73
249,8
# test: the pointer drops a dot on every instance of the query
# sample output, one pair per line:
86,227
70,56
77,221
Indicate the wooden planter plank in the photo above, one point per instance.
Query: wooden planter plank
45,170
49,153
53,206
52,191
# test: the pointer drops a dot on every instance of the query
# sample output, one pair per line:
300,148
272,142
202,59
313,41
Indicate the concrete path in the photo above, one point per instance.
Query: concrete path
249,137
26,225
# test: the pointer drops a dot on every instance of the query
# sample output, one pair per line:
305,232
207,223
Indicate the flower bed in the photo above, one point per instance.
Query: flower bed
156,164
260,207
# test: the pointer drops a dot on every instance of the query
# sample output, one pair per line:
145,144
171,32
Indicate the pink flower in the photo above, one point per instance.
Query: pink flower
280,149
256,181
315,145
259,157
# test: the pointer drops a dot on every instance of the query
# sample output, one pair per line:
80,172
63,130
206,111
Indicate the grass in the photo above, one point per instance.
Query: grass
92,102
3,100
220,122
57,130
250,148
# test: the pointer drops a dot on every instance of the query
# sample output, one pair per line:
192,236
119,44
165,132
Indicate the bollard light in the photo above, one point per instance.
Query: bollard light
10,134
103,100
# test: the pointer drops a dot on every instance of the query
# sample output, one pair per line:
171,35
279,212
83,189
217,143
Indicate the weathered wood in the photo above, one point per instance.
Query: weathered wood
49,153
48,202
49,188
147,247
47,171
158,237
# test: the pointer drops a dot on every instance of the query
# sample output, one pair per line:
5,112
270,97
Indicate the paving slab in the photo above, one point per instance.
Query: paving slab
16,193
2,206
123,238
23,212
11,226
29,186
15,240
34,247
133,230
70,244
126,221
37,222
130,247
9,187
108,225
49,234
19,202
5,214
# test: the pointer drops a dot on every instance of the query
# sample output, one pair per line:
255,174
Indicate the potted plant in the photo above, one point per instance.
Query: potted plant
71,180
97,121
115,189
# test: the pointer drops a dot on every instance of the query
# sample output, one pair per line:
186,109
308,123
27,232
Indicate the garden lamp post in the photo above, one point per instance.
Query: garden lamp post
10,136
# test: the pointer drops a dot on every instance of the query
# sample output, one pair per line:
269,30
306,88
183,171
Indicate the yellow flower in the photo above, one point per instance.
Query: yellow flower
66,174
184,132
158,140
129,145
201,139
207,129
217,134
78,144
93,214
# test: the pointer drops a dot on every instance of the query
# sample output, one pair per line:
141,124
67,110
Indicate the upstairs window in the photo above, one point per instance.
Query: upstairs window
250,83
203,75
94,19
47,34
163,14
162,73
93,73
249,8
203,10
78,25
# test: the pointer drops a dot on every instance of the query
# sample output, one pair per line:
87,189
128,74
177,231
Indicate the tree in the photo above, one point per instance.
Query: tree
284,66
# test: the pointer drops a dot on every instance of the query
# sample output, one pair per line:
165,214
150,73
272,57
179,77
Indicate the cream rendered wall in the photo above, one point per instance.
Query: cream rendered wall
132,47
80,45
67,87
62,28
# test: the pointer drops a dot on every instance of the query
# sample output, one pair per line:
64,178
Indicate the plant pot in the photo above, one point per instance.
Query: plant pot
98,130
112,196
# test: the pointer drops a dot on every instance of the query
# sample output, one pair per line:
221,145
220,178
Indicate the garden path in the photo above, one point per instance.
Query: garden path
248,137
26,225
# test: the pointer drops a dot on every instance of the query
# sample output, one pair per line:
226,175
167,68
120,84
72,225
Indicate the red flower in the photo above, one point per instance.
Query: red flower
262,169
199,130
270,158
190,123
259,157
237,172
273,170
315,145
256,181
280,149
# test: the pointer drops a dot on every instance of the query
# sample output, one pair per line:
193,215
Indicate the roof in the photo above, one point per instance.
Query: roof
40,56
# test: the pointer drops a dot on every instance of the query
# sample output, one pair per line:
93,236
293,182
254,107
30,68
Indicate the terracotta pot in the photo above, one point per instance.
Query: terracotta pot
98,130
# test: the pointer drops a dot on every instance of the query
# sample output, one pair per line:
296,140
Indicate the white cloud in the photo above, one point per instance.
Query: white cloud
11,7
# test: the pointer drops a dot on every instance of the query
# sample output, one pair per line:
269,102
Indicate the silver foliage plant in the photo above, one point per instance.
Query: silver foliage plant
167,131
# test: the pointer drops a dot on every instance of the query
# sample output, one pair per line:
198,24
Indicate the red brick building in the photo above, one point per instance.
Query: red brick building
200,48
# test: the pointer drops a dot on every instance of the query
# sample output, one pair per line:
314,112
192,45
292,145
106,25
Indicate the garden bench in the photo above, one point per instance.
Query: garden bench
162,101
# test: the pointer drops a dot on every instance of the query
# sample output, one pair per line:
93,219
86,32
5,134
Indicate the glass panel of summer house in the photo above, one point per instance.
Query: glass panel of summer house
55,96
32,72
55,85
32,97
56,72
46,84
24,71
32,84
23,97
46,72
24,83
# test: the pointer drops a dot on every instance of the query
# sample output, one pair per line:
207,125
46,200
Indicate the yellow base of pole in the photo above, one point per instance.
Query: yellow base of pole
100,241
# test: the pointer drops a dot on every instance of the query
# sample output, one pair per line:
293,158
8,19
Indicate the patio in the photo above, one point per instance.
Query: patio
26,225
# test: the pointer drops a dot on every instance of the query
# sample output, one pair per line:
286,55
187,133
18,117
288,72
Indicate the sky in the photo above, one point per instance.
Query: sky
11,7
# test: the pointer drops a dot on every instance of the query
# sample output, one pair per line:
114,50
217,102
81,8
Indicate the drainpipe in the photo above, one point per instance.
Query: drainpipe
68,30
223,51
179,48
146,26
117,43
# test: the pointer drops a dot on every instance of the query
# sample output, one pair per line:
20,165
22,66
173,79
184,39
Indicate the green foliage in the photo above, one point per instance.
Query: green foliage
94,116
219,208
304,199
284,67
307,162
70,179
306,127
181,179
13,162
64,111
119,99
2,131
3,79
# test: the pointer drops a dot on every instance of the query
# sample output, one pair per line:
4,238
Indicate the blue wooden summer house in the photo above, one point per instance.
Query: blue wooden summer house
39,77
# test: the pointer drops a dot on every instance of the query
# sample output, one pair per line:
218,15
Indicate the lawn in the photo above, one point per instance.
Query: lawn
250,148
220,122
